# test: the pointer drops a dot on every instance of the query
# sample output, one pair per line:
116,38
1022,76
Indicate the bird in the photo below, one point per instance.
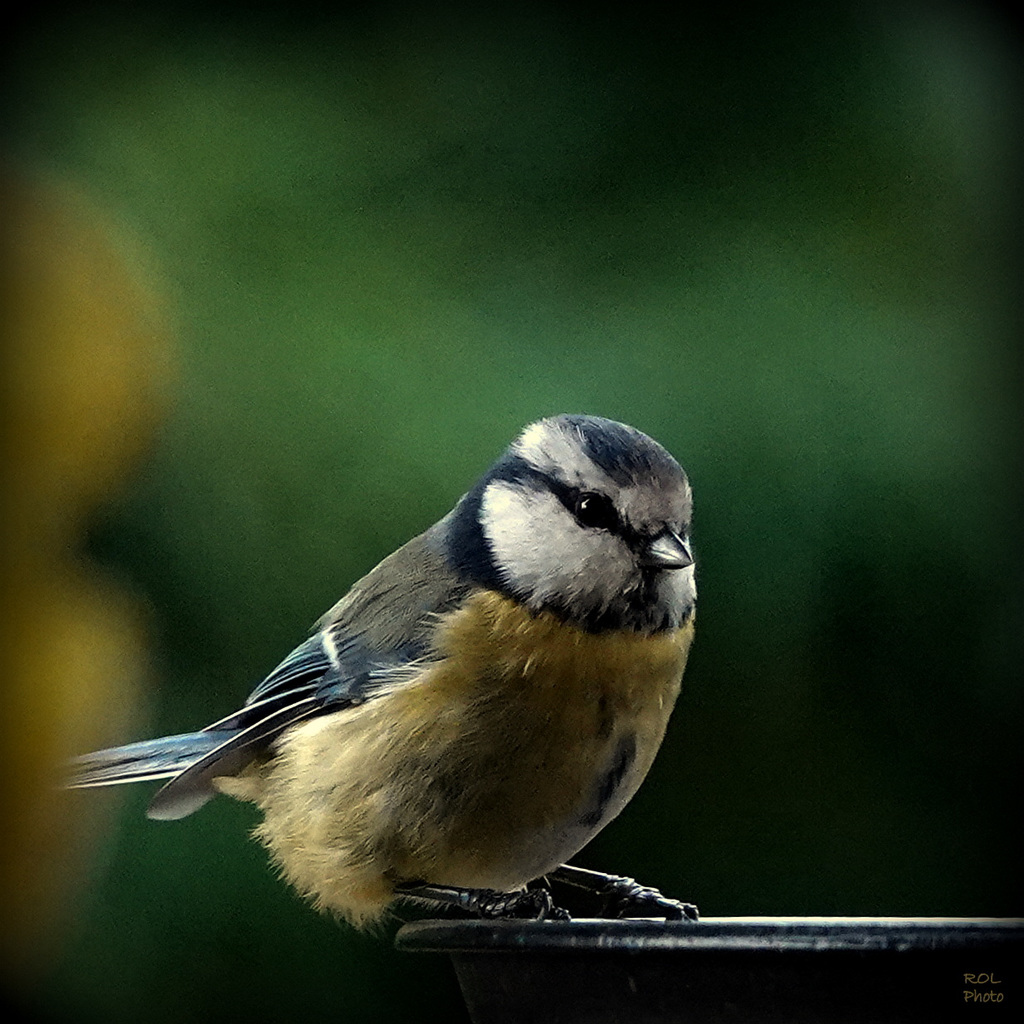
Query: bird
478,706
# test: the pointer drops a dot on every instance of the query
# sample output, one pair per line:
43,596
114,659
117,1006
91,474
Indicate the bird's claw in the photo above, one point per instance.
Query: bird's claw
534,904
624,897
530,904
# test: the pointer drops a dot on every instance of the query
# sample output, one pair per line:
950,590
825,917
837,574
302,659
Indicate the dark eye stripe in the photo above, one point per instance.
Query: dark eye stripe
515,469
595,511
591,509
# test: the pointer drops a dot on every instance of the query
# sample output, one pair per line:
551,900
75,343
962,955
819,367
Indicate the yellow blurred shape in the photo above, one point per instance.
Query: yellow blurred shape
84,373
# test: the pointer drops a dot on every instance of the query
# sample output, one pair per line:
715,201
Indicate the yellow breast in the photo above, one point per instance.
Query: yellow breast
533,734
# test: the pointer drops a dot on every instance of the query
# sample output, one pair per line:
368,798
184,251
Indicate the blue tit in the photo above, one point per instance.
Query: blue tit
477,707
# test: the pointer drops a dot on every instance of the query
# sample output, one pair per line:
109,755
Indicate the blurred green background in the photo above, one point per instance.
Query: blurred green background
782,242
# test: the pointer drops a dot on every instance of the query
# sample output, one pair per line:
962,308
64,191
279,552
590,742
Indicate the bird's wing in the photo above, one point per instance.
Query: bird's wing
382,623
393,607
380,626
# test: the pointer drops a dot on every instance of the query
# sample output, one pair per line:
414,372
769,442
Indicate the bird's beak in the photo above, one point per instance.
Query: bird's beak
667,551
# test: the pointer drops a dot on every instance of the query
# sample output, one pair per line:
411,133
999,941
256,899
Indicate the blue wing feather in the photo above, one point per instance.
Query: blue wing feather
321,675
382,624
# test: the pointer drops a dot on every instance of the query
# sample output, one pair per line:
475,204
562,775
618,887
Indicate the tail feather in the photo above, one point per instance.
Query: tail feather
150,759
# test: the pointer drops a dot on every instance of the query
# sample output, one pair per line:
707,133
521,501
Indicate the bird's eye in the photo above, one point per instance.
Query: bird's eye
595,511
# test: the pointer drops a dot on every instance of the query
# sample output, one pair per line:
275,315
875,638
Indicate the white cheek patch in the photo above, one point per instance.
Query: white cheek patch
546,556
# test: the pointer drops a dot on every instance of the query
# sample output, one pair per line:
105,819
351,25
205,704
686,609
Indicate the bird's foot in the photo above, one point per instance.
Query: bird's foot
615,896
491,904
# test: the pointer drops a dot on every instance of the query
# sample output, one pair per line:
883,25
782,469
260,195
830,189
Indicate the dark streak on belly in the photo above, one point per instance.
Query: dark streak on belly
625,754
